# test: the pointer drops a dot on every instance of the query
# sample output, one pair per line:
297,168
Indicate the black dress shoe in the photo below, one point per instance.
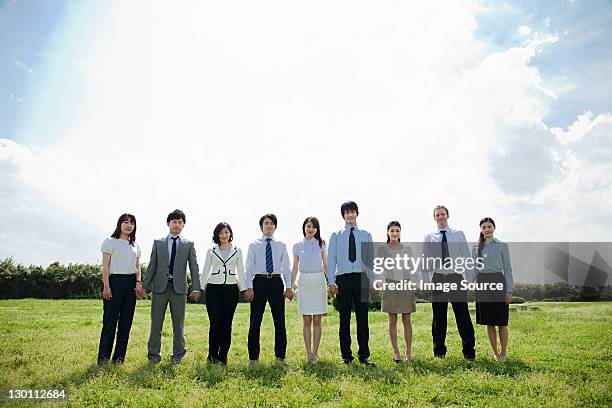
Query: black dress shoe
366,362
346,360
439,355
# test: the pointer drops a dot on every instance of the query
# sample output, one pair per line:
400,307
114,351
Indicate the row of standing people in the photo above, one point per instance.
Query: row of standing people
266,277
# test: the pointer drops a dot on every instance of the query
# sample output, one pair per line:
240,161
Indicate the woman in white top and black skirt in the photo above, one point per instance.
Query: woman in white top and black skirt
491,304
310,258
121,280
223,279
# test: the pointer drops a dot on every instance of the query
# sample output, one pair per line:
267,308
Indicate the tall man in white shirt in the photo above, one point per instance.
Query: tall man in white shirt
448,245
350,277
268,276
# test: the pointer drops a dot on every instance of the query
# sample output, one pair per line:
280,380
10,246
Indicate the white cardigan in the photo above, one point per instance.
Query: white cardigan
219,271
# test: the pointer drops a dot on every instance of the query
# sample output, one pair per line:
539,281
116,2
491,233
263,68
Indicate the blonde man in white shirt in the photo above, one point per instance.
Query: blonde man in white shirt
449,246
223,279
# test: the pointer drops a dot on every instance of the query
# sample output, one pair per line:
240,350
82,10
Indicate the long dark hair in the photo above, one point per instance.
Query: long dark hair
392,224
481,238
117,233
315,223
218,229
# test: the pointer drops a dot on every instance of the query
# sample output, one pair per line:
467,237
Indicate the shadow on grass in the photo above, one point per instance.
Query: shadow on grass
269,375
144,375
511,368
326,370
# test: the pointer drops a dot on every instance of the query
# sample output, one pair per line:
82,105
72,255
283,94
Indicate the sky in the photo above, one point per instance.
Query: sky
229,110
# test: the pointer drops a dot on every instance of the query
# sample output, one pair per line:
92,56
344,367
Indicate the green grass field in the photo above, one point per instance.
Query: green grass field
560,355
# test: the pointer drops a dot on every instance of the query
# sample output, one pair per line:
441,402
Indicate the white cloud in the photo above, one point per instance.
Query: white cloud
231,111
523,31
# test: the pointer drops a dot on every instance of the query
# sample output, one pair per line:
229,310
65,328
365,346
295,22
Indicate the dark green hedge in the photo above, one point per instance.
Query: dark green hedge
73,281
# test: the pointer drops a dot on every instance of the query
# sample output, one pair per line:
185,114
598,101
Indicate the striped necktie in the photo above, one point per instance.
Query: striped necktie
269,262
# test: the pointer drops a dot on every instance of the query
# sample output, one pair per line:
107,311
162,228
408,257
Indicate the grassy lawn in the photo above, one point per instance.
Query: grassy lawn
560,355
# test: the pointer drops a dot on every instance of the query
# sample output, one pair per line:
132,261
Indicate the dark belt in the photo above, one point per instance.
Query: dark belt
267,275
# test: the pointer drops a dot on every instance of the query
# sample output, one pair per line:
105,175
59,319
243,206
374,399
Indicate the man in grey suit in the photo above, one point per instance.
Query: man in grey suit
167,271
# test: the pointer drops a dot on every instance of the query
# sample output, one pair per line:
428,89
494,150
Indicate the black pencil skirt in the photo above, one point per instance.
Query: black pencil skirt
491,306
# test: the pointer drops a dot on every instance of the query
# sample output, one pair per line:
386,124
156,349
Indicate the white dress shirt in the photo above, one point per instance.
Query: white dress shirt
256,260
457,248
310,255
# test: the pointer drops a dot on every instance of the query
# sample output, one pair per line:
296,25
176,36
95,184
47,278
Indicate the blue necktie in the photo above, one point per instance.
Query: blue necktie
269,262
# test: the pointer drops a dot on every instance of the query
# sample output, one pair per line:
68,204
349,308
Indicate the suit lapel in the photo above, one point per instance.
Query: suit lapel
182,249
164,250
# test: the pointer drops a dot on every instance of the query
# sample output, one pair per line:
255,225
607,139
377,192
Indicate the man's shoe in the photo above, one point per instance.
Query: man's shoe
253,363
366,362
346,361
470,359
280,361
440,355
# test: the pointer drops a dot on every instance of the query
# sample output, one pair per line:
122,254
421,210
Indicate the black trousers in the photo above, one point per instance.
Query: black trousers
118,316
271,291
458,300
221,302
353,291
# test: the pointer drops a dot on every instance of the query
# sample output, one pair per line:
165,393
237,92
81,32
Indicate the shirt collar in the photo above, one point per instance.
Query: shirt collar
447,229
263,238
348,227
170,236
312,241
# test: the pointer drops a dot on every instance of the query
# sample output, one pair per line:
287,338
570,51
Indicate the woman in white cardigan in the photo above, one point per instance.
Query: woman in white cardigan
223,279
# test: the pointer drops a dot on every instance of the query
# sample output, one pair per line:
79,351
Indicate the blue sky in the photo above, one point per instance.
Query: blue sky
496,109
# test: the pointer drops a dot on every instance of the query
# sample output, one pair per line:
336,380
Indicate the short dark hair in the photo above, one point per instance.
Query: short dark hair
218,229
176,215
270,216
348,206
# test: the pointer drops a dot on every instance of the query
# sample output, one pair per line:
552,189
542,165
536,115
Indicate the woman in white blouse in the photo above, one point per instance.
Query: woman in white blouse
223,279
121,280
310,259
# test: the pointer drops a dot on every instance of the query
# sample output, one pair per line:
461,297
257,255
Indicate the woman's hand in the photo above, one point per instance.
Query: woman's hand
508,298
106,293
249,295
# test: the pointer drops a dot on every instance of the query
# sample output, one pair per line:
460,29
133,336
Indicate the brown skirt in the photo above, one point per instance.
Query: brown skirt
397,301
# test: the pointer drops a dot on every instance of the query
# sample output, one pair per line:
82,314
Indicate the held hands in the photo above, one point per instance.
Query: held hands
195,296
333,289
140,292
106,293
508,298
288,293
249,295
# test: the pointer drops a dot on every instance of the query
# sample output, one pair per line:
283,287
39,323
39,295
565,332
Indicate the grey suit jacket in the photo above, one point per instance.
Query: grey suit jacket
158,271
